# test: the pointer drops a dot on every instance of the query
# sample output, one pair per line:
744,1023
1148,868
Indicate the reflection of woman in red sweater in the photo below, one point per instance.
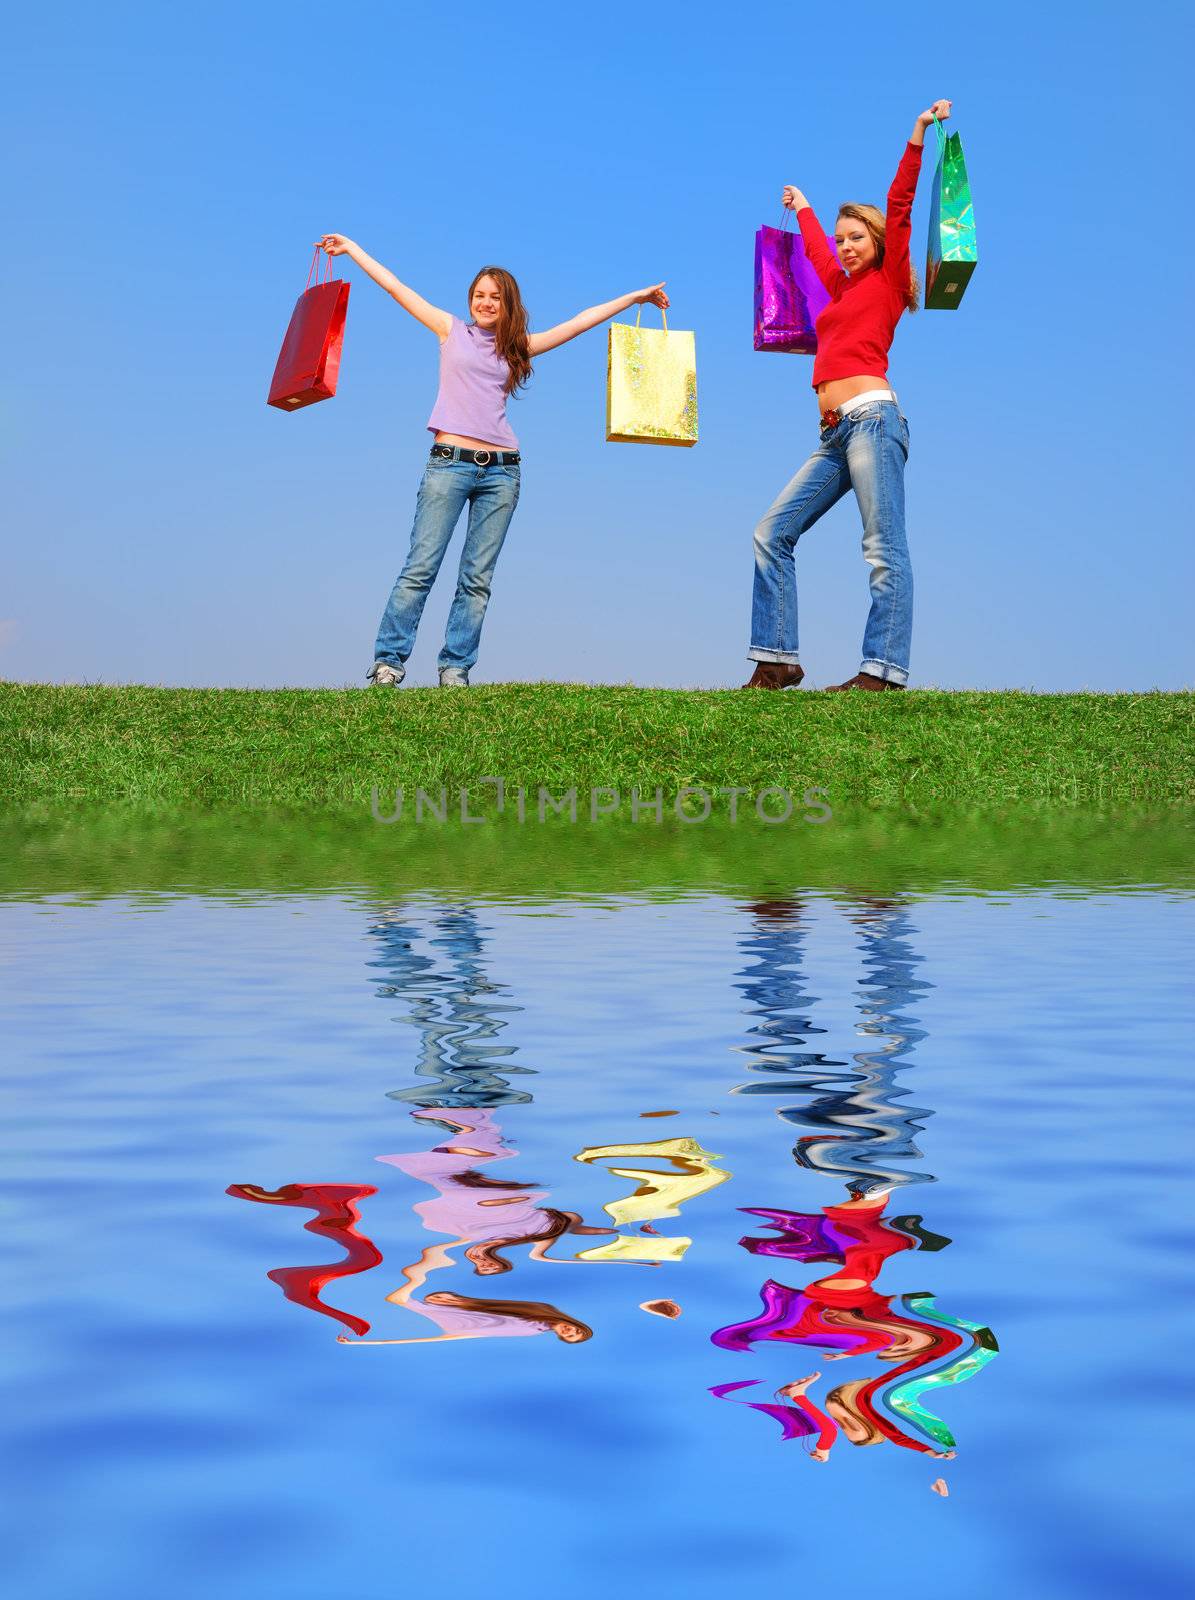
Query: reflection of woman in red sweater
800,1420
842,1315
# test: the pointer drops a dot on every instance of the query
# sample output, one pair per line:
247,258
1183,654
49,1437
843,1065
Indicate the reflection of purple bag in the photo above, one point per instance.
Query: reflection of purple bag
788,293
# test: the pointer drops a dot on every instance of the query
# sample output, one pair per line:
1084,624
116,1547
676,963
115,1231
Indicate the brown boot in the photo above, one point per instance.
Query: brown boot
775,675
863,680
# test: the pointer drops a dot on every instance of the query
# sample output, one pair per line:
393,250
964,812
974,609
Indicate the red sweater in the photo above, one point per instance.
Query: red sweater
855,331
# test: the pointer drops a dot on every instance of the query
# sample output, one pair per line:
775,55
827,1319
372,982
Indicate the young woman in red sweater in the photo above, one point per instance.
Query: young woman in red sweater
864,435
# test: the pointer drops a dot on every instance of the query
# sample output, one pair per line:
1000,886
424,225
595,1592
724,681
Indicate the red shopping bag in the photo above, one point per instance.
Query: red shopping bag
309,361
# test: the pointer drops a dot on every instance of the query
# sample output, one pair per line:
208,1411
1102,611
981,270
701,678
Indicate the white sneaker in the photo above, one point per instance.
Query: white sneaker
454,678
384,674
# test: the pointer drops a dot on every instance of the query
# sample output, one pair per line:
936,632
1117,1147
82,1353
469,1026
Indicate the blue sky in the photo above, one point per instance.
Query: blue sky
172,167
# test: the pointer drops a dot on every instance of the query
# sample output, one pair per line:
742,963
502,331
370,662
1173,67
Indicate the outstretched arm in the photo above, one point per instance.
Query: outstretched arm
415,1276
584,320
427,1338
440,322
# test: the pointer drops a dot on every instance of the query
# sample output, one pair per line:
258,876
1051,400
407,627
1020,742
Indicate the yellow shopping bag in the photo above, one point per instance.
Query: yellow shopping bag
651,385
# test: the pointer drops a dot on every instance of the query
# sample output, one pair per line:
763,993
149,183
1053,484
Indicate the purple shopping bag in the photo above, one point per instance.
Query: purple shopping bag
789,295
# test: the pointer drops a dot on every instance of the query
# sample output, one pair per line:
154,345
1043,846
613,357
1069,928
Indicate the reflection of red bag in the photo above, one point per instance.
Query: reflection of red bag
309,360
337,1208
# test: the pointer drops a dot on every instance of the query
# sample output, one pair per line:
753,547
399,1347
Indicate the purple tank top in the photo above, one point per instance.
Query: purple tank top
471,399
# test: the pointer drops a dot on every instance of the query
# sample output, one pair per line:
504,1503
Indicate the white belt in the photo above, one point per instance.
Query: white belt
864,399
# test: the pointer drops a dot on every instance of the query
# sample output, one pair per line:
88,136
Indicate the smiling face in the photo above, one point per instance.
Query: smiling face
855,245
486,304
571,1332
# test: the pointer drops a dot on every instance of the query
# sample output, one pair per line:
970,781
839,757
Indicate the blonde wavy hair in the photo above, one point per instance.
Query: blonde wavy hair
874,221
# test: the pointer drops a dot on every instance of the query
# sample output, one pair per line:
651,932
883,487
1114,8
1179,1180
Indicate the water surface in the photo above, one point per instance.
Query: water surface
332,1217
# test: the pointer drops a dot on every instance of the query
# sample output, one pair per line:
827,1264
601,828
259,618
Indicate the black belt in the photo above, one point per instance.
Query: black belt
479,458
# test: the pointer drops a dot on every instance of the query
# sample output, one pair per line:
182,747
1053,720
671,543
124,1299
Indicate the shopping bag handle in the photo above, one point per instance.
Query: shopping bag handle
312,268
663,313
941,133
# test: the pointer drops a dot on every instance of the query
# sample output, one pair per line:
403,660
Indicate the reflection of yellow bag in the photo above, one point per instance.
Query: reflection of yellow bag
651,385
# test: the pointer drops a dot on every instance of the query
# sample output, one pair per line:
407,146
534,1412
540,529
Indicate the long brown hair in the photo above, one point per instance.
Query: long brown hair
524,1310
874,221
510,332
472,1179
843,1407
485,1257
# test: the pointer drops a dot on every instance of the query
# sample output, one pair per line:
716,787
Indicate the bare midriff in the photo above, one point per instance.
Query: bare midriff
837,390
473,444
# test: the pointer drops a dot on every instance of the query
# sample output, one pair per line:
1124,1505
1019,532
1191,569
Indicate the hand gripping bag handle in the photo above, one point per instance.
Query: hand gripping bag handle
663,313
312,268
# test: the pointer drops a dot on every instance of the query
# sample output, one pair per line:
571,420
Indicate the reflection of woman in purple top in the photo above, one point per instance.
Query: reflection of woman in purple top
481,1215
461,1316
468,1206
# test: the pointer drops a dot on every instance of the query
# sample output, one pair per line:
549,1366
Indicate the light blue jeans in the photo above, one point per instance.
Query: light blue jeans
866,452
491,493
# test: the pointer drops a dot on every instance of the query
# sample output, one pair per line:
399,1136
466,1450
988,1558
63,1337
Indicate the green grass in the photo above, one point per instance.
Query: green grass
323,750
90,853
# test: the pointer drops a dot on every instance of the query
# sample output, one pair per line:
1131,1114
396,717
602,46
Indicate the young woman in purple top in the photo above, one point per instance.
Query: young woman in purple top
474,457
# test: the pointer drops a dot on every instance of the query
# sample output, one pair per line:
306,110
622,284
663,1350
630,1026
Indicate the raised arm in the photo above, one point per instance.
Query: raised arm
825,263
440,322
899,216
594,317
939,111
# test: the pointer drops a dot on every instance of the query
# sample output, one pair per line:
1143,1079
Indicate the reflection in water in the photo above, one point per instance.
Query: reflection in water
462,1316
454,1010
482,1215
905,1397
859,1106
800,1419
868,1126
844,1315
336,1218
659,1194
453,1007
858,1127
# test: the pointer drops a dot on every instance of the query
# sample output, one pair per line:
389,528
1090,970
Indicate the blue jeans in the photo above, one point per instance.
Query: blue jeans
866,452
491,493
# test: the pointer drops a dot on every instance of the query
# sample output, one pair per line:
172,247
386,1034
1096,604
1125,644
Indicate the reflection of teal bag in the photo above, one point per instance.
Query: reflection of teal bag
951,257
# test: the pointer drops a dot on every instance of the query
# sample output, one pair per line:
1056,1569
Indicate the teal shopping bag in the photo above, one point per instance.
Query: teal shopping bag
951,256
